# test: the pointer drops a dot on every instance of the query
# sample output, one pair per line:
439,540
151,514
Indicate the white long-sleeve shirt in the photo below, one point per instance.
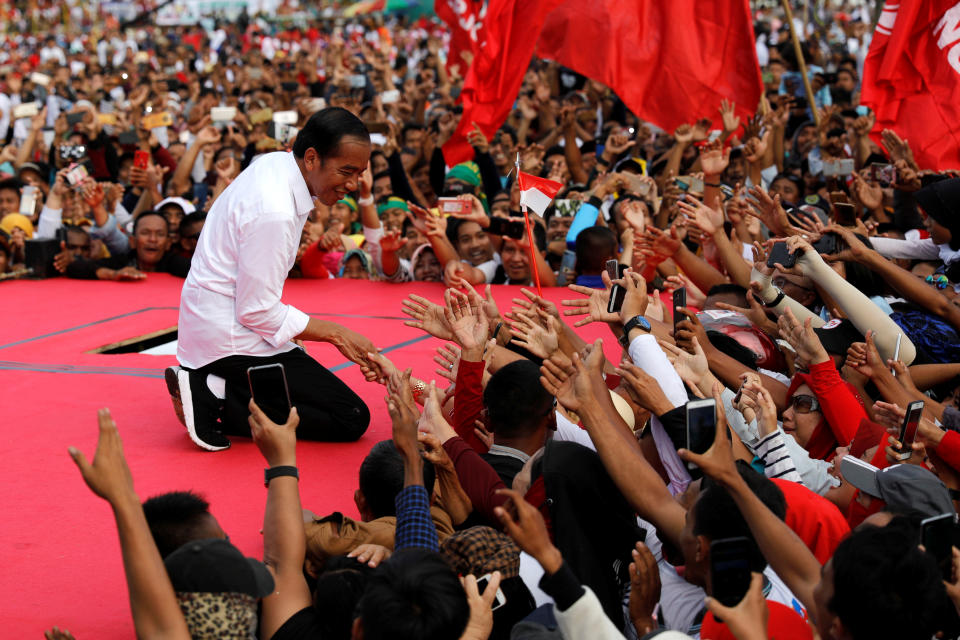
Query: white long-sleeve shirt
230,303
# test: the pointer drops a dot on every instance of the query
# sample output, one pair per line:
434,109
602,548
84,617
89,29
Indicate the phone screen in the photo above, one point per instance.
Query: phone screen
268,386
617,295
908,431
679,300
613,269
937,534
845,213
730,570
781,255
701,425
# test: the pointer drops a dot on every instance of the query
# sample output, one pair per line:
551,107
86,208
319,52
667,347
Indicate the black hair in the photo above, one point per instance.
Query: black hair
725,344
192,218
411,126
453,228
509,130
11,184
515,400
175,518
144,214
381,478
881,569
555,150
413,596
594,246
325,129
795,180
716,515
72,228
337,593
727,288
382,174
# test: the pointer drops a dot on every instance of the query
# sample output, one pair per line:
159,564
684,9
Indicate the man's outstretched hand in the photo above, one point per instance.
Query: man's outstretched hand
357,348
108,475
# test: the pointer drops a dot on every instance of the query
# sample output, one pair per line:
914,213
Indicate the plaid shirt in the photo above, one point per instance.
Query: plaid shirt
415,527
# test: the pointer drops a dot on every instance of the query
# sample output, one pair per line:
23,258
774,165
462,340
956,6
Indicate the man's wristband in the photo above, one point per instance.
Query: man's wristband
780,296
276,472
365,202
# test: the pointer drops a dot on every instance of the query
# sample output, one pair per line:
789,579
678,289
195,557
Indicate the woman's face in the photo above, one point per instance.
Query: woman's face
428,268
353,269
801,425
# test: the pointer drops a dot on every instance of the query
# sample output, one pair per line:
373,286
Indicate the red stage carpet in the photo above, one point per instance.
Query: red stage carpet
61,559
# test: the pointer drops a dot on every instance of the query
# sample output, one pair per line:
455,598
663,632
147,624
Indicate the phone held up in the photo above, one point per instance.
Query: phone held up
679,302
908,430
701,426
730,570
617,293
269,389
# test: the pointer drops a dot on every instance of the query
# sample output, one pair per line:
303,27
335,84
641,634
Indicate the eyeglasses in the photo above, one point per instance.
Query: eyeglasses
940,281
804,403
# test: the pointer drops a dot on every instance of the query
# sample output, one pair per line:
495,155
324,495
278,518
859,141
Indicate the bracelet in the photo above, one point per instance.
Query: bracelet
276,472
418,389
780,296
365,202
712,184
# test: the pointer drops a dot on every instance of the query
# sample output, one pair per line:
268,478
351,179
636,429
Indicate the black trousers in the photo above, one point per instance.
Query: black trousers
329,410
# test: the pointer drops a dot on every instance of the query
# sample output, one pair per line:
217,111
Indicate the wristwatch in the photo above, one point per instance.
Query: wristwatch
631,324
780,296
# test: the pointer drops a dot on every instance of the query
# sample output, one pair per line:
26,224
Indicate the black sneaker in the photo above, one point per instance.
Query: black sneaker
200,411
173,388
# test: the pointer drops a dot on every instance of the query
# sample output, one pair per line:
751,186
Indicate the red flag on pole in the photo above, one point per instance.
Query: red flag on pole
465,19
911,78
670,61
537,193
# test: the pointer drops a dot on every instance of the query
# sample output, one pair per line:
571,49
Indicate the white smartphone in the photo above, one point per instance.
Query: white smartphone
908,430
860,474
223,114
390,97
26,110
499,600
41,79
285,117
28,200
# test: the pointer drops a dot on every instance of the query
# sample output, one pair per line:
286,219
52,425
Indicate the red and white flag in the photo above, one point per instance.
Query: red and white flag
537,193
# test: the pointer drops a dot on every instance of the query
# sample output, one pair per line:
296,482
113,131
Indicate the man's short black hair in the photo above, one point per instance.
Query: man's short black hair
337,592
11,184
175,518
594,246
414,596
381,478
884,586
326,128
729,289
193,218
716,515
516,402
151,212
729,346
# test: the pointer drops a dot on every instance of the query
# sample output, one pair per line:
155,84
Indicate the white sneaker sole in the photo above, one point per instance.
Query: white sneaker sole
186,398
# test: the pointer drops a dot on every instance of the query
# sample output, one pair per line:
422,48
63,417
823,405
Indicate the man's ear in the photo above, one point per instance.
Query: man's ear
703,549
361,502
356,631
311,567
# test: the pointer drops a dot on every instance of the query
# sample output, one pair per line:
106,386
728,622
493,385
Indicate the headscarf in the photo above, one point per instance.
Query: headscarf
13,221
467,172
823,443
365,260
941,201
393,202
417,256
350,202
816,520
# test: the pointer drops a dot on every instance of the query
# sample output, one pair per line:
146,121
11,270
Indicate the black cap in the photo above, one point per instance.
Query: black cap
216,566
837,335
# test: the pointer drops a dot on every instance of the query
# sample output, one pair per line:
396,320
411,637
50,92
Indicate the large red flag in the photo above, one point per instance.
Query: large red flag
670,61
911,78
494,78
465,19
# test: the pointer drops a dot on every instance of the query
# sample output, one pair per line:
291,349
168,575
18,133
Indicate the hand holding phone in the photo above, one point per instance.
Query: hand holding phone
780,254
679,302
269,389
908,430
701,426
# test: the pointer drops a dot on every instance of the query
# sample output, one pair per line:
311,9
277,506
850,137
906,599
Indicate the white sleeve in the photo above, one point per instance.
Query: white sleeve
489,269
569,432
261,272
371,244
585,618
50,220
924,249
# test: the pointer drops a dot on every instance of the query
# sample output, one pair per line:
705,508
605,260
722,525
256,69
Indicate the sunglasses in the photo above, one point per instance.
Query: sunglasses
804,403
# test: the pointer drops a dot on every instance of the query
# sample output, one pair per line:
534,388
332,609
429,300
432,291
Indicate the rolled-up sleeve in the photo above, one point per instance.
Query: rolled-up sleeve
260,279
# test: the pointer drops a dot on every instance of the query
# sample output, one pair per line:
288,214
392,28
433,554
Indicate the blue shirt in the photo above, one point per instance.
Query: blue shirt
415,528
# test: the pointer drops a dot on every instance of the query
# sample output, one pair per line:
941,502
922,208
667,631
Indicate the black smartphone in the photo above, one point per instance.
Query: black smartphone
506,227
730,570
779,254
845,214
679,300
908,430
128,137
74,119
701,426
937,536
829,243
268,386
617,296
289,86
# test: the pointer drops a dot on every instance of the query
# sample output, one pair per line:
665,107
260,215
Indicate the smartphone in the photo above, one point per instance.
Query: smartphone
831,169
845,214
937,537
679,300
883,174
174,85
128,137
358,81
617,296
41,79
157,120
908,430
701,426
736,398
223,114
282,133
141,159
141,57
316,104
262,115
499,600
682,182
845,167
285,117
255,73
860,474
73,152
26,110
289,87
730,570
390,97
506,227
896,354
613,269
76,174
28,200
269,389
377,127
449,206
781,255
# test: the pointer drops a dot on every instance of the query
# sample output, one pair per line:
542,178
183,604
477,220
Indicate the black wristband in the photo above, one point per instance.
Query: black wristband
712,184
780,296
276,472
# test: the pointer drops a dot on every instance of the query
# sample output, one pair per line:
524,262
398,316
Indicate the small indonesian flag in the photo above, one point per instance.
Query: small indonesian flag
536,193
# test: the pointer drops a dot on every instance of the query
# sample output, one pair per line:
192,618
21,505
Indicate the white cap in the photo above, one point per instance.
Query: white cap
186,205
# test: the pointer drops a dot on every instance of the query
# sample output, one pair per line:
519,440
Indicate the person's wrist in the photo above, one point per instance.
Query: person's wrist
550,559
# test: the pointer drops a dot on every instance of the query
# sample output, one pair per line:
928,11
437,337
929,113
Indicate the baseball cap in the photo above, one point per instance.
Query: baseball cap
837,335
216,566
903,487
183,203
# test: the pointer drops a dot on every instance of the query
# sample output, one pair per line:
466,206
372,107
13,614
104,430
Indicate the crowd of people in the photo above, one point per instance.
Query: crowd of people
775,454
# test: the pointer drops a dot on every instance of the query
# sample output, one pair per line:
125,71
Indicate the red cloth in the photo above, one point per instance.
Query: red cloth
499,64
949,449
466,23
816,520
784,624
670,62
839,403
911,79
468,403
311,263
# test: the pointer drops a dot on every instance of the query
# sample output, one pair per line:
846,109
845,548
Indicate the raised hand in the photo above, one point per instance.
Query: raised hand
594,306
558,378
465,319
643,388
869,195
427,316
718,462
542,341
480,622
703,217
432,420
715,158
448,357
769,211
108,476
747,620
645,589
370,554
756,400
534,299
523,522
731,121
693,368
276,442
802,338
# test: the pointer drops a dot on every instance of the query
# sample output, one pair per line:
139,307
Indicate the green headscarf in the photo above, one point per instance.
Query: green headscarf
467,172
393,202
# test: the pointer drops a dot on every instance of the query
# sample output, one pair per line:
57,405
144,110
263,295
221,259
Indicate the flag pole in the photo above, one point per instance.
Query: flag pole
798,52
530,239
